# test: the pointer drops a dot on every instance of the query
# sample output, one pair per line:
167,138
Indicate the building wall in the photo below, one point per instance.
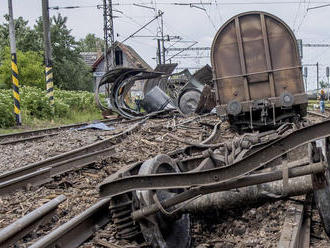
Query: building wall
99,71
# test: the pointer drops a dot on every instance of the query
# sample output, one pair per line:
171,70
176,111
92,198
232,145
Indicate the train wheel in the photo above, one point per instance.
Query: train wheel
163,230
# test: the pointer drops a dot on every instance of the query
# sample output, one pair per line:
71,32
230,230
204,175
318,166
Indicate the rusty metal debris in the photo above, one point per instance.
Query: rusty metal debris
162,90
160,186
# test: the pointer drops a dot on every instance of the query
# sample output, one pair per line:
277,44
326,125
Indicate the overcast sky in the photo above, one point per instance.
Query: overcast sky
190,23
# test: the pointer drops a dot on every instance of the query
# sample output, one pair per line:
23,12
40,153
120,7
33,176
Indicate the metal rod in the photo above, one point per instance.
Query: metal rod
10,232
70,235
233,184
259,72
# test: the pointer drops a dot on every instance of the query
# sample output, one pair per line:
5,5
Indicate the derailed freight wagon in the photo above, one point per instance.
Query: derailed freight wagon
257,72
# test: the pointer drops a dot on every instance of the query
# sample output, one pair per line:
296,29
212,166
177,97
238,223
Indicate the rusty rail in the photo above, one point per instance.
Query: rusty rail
78,158
74,232
317,114
296,229
44,132
17,230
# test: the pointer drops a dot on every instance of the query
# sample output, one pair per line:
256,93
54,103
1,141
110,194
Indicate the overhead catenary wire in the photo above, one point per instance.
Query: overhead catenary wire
297,13
208,16
302,20
155,18
192,3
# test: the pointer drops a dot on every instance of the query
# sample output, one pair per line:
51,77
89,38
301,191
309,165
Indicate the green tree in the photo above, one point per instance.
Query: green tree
90,43
30,68
27,39
70,71
323,84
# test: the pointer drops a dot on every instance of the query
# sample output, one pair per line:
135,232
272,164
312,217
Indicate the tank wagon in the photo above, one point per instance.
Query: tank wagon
257,72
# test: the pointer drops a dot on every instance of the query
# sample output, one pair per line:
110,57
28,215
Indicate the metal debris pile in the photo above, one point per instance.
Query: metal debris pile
162,89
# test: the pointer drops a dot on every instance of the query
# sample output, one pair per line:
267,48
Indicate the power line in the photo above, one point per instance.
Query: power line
190,4
222,3
296,16
317,7
209,17
302,20
189,49
156,17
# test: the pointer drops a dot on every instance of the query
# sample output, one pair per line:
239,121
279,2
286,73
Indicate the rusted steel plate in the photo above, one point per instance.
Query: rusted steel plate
255,56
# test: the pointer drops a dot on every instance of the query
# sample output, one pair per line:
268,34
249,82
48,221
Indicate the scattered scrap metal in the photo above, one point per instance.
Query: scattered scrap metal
163,90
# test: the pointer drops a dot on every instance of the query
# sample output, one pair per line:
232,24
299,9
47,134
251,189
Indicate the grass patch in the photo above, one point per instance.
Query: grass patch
30,123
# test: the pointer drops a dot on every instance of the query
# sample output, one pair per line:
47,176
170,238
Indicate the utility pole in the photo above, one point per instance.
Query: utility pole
159,54
317,74
305,76
48,52
162,34
14,68
327,73
109,38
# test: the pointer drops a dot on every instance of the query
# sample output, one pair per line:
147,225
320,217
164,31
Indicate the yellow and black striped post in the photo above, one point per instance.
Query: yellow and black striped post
17,108
50,84
14,68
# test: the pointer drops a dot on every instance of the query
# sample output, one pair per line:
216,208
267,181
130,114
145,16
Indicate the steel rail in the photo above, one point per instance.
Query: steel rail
296,228
28,139
43,175
74,232
21,227
248,164
317,114
28,175
233,184
32,179
38,134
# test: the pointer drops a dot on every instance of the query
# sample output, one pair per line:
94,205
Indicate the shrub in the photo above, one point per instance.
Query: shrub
35,104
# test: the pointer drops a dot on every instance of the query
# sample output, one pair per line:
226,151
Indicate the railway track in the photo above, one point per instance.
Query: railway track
43,171
13,138
129,149
125,151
